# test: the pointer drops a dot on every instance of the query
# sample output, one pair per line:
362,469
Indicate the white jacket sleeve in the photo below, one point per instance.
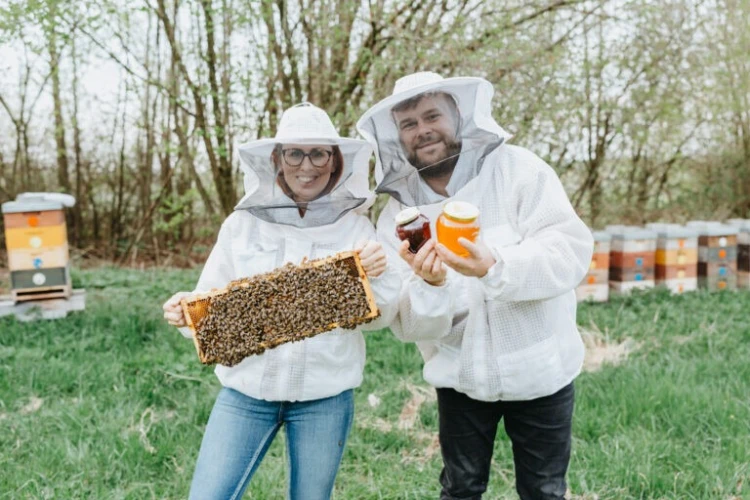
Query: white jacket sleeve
425,312
555,247
385,287
218,270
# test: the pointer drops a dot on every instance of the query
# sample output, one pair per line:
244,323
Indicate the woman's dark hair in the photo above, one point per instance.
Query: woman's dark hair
338,166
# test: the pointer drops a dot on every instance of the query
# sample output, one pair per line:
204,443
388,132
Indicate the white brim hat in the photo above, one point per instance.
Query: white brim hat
303,123
424,82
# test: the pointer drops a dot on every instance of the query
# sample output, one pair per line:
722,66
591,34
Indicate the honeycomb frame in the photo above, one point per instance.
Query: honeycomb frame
196,307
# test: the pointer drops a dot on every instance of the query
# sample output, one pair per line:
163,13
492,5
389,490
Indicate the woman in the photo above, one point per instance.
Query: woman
306,194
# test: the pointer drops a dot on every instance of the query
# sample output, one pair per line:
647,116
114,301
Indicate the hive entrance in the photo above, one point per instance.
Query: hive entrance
285,305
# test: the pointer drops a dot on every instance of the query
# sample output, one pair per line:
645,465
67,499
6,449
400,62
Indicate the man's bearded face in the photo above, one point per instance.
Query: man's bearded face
428,135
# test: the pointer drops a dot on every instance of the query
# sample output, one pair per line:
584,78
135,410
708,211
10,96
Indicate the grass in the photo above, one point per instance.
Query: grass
112,402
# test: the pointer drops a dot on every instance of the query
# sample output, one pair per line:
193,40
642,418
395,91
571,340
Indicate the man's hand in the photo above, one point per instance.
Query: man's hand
426,263
173,310
477,263
372,256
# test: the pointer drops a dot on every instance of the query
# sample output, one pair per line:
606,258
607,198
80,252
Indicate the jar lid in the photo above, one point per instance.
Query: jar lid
461,210
407,215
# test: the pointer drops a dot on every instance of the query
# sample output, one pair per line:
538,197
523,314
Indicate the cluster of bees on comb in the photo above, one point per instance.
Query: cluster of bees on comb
288,304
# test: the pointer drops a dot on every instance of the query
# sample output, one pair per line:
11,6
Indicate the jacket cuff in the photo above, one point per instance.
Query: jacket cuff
493,280
186,331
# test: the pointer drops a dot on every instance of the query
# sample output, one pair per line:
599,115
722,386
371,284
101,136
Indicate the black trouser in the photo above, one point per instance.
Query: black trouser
540,430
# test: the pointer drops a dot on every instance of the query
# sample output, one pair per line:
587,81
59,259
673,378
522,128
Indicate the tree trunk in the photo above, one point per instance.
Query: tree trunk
63,177
80,205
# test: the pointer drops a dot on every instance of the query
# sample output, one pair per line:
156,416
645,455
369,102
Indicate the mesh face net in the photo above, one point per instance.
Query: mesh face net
270,198
466,116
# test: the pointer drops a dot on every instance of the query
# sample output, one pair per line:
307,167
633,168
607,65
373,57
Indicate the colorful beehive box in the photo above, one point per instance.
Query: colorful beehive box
743,252
717,255
37,243
632,258
595,286
676,256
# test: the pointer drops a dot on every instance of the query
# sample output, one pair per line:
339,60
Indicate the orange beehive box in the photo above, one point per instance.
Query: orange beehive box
17,220
632,260
599,261
34,238
676,272
600,257
677,257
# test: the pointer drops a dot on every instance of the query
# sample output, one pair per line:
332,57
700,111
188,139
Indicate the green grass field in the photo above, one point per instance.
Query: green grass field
111,403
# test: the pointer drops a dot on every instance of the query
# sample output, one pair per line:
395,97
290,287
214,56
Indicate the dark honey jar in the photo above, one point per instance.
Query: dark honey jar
413,226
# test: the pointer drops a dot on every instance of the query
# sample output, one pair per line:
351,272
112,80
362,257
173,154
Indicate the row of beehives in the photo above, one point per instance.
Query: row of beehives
700,254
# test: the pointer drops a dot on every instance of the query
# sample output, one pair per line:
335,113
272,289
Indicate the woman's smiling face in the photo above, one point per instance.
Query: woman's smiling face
307,169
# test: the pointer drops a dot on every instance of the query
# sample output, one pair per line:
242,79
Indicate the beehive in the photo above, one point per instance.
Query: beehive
743,252
676,256
717,255
37,242
288,304
631,258
595,286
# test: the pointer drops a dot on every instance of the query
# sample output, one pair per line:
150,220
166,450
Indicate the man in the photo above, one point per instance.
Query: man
497,329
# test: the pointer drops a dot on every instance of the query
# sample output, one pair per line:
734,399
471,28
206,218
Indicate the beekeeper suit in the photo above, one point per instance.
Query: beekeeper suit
506,337
268,229
306,196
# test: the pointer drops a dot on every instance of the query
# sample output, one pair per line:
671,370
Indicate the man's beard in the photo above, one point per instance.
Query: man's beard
439,168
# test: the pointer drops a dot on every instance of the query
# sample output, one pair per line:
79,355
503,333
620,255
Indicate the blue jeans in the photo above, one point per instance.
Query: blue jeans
241,429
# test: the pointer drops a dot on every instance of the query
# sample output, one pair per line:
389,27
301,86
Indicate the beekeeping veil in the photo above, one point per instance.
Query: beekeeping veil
476,135
268,197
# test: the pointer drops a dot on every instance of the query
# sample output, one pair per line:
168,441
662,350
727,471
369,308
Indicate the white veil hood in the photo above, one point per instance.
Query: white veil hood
264,196
478,133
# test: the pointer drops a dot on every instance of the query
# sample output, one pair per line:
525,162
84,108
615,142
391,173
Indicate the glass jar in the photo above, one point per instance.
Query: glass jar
458,220
413,226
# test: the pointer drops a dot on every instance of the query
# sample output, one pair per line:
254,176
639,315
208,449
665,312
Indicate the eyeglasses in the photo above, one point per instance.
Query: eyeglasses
318,157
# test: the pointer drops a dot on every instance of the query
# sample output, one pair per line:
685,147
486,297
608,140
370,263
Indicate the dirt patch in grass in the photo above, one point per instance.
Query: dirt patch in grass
428,447
410,410
601,351
426,443
32,406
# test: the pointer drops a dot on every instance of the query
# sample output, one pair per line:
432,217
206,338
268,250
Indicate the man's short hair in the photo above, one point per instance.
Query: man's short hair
413,102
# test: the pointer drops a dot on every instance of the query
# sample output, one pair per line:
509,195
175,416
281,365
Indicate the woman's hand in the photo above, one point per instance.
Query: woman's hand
173,310
426,264
373,258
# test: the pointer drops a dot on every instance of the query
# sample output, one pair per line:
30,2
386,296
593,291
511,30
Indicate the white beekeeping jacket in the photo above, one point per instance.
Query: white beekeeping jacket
512,334
253,241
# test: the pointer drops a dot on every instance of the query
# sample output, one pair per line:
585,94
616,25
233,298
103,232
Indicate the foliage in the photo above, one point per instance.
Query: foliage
640,106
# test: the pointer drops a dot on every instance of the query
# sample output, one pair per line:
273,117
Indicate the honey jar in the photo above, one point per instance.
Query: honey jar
458,220
413,226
